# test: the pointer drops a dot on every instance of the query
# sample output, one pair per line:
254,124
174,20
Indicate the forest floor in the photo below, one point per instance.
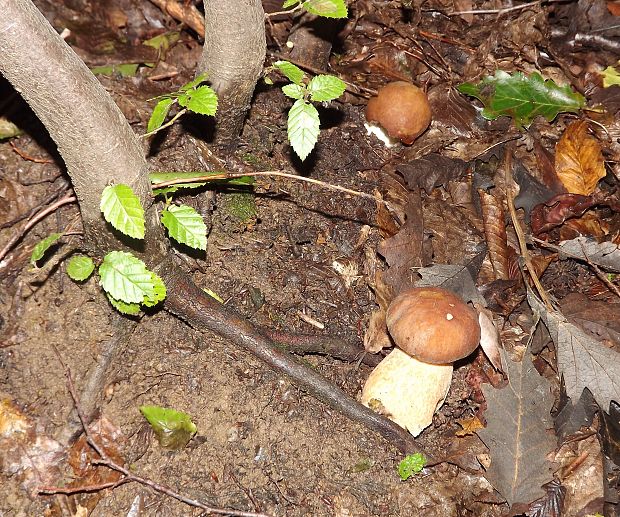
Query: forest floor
300,258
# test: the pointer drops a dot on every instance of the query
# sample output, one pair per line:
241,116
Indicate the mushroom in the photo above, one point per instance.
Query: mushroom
433,328
401,110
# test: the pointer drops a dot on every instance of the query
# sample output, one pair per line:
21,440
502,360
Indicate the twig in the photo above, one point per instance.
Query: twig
278,174
519,231
34,220
167,124
184,12
499,12
318,71
129,476
28,157
601,276
294,10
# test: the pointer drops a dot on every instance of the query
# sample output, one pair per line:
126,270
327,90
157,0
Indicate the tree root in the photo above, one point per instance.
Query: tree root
303,344
186,301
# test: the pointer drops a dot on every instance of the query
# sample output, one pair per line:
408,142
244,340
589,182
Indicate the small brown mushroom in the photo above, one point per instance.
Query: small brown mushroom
401,109
438,328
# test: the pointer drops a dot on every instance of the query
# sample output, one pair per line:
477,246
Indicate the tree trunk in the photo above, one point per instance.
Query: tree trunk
92,135
233,57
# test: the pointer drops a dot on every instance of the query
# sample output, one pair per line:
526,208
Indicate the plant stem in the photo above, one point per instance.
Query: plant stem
167,124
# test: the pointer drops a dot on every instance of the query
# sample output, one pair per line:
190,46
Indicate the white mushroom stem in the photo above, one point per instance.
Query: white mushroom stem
377,130
406,390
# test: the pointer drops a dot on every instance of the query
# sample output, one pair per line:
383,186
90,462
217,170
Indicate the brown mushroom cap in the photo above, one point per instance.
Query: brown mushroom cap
402,109
433,325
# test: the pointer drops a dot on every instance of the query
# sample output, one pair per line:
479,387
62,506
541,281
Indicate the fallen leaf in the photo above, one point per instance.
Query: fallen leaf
605,254
579,160
574,415
456,278
582,360
518,417
403,251
432,170
469,426
493,218
551,504
489,337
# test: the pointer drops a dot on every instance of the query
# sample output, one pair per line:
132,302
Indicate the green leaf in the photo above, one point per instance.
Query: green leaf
160,112
121,69
192,84
326,88
186,226
163,42
303,128
122,209
523,98
289,3
610,76
80,268
173,429
39,250
411,464
126,278
293,73
294,91
327,8
131,309
202,100
160,177
159,291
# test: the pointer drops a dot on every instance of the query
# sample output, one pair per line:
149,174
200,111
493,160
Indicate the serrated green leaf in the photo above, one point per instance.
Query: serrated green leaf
611,76
160,112
173,429
289,3
126,278
202,100
131,309
186,226
411,464
292,72
523,98
80,267
326,88
327,8
294,91
192,84
303,128
122,209
42,246
159,291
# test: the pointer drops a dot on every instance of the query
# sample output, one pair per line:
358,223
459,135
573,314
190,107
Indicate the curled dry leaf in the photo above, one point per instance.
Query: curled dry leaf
578,159
495,231
489,337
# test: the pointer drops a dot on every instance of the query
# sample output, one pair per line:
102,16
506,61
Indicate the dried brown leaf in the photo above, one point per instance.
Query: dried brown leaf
469,426
578,159
516,434
493,218
404,251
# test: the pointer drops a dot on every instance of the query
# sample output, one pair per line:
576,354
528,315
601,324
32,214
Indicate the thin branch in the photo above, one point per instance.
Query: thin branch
499,12
525,253
34,220
129,476
278,174
318,71
167,124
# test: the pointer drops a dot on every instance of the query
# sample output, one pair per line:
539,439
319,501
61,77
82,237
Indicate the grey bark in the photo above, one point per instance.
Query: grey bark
233,57
94,139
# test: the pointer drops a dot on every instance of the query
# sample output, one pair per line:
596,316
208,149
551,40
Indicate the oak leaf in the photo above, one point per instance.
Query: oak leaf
578,159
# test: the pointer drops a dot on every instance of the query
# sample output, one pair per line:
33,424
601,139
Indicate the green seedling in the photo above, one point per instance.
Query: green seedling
303,117
410,465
